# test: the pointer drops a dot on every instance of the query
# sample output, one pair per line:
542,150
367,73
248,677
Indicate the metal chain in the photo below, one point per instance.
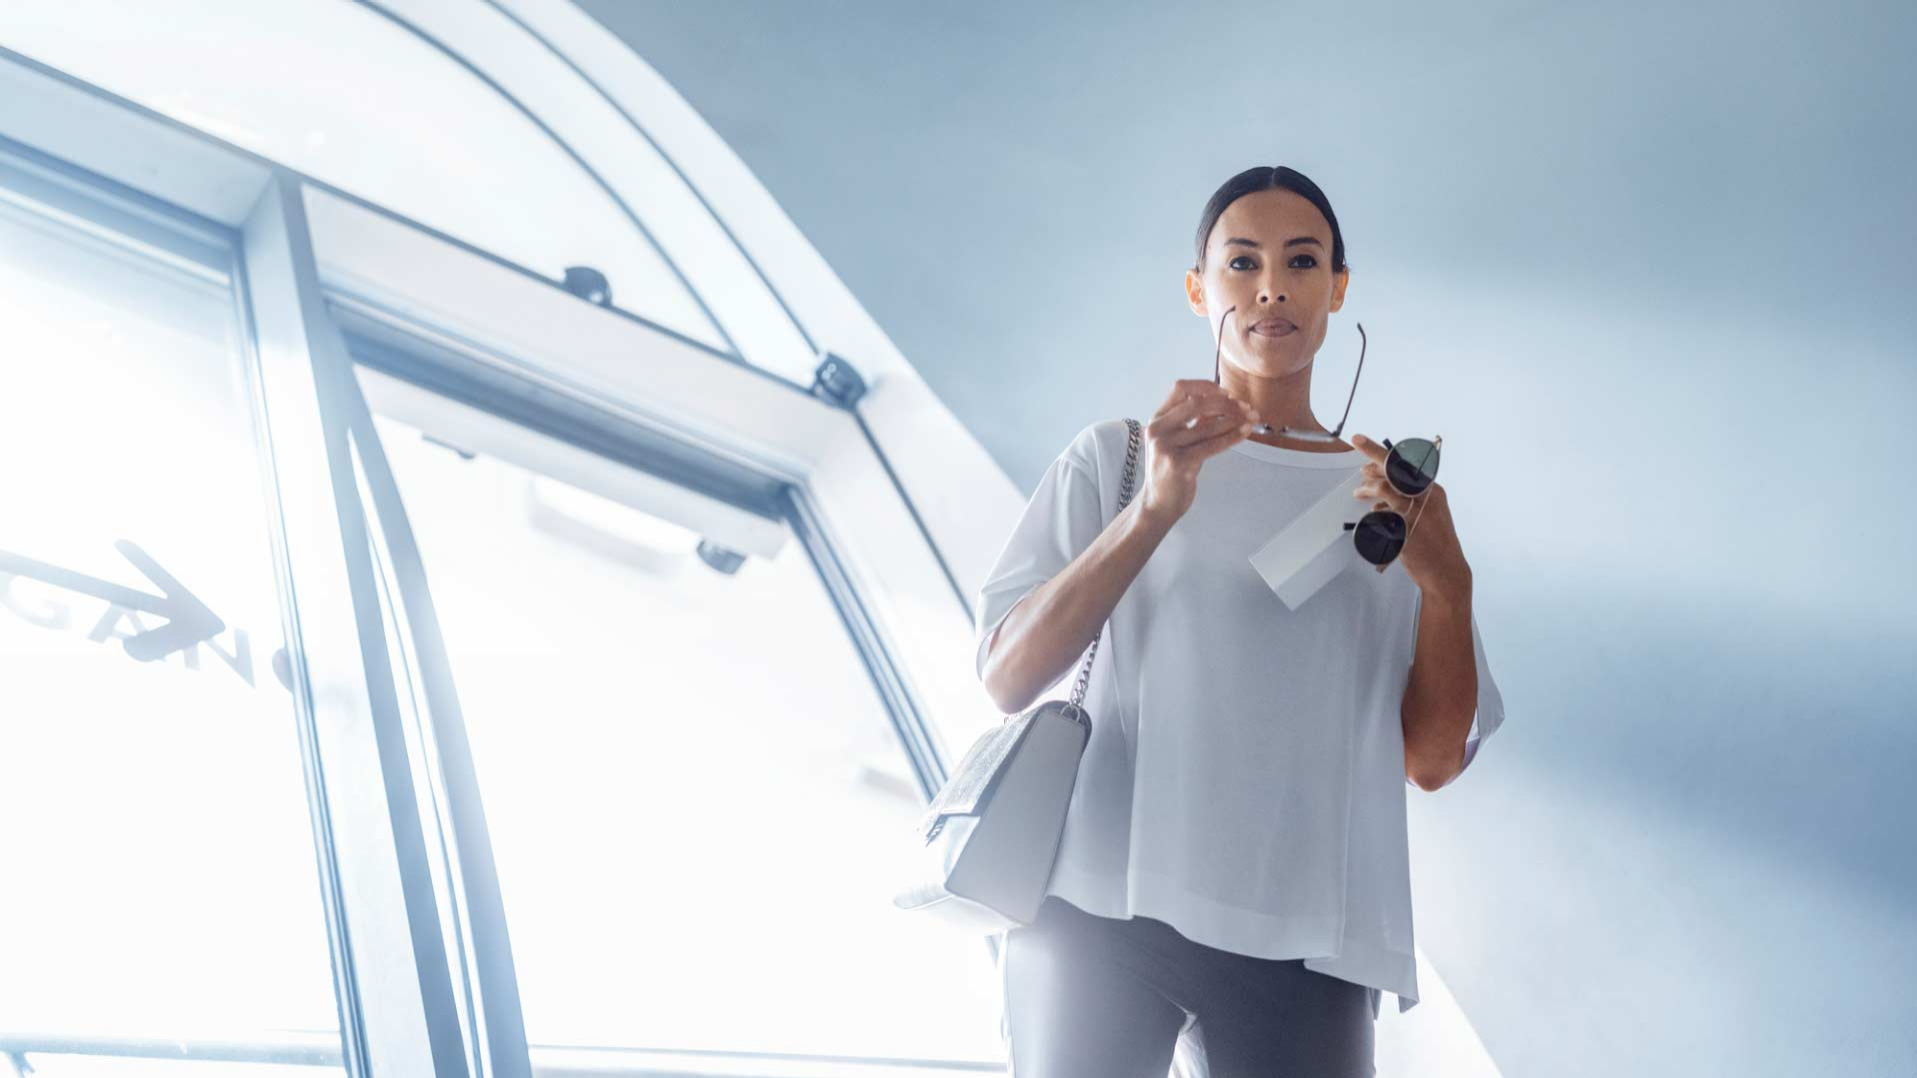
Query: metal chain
1124,499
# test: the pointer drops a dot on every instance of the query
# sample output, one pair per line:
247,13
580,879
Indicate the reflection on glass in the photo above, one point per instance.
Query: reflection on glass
693,790
157,869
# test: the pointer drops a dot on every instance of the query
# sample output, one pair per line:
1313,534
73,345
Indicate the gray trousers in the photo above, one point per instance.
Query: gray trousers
1095,997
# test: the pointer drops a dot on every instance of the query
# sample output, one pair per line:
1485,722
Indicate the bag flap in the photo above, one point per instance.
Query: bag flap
971,782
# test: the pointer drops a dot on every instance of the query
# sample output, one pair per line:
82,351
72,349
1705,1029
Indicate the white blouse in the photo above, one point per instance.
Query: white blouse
1245,776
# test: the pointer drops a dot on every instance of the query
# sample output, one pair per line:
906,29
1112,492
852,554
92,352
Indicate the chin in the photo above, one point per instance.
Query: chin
1280,353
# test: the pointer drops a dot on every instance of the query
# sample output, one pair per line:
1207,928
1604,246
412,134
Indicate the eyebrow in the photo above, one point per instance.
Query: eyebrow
1258,247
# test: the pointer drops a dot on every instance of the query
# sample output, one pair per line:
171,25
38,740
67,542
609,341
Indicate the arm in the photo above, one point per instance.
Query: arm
1050,628
1441,697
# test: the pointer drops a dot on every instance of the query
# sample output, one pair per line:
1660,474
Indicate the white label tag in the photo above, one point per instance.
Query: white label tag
1315,547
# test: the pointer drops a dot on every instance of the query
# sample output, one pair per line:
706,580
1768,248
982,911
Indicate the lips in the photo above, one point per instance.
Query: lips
1274,327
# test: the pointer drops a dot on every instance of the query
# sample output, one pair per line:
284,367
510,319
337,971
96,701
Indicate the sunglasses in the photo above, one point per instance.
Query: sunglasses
1381,534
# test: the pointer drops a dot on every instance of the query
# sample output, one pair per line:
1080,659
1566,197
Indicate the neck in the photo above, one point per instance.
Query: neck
1280,402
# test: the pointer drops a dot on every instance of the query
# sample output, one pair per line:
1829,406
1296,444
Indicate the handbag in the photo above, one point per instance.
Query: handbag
990,836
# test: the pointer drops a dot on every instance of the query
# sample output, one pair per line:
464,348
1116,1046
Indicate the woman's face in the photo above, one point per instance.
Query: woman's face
1269,255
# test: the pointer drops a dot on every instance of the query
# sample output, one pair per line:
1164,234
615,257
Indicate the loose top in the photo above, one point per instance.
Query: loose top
1245,776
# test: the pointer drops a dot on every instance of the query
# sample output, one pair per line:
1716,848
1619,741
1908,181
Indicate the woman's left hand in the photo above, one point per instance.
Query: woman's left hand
1432,554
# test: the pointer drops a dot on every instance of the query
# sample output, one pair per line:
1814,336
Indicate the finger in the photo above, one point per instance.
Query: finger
1369,448
1199,408
1217,443
1175,418
1183,438
1191,387
1228,407
1383,497
1380,495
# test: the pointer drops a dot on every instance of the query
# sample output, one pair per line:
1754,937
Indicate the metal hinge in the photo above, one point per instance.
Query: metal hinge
838,381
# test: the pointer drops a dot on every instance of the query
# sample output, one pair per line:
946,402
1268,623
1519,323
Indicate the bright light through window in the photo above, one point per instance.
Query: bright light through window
695,796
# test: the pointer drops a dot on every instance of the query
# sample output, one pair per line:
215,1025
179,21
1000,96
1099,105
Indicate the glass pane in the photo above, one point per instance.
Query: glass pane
345,95
695,796
157,870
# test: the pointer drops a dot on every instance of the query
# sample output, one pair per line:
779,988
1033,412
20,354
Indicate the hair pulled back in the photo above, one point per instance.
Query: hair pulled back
1265,178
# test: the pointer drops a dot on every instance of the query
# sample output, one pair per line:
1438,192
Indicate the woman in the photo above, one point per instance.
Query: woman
1233,867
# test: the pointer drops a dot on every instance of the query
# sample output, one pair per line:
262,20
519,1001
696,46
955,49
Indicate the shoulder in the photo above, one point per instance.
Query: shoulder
1101,446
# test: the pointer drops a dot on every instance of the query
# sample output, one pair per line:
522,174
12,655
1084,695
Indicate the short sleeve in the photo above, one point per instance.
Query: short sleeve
1490,713
1062,518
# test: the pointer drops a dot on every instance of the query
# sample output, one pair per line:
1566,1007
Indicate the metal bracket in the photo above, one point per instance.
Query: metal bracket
588,284
838,381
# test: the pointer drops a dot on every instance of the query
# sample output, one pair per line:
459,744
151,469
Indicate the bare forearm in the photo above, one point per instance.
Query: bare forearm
1049,629
1440,699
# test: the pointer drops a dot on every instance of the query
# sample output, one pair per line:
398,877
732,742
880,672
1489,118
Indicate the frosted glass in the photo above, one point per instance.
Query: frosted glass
157,868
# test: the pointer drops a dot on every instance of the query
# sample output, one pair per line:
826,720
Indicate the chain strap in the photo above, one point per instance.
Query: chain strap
1124,499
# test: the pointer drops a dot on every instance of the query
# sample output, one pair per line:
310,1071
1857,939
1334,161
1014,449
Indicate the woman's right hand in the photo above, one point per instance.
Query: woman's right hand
1176,450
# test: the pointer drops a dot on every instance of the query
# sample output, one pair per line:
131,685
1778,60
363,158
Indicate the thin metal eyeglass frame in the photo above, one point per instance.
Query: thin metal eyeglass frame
1217,370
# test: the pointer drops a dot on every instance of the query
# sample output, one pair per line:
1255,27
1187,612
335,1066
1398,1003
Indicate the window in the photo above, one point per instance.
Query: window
693,792
668,700
161,881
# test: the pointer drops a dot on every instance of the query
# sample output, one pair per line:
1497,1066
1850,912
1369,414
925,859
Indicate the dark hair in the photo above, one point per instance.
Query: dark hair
1265,178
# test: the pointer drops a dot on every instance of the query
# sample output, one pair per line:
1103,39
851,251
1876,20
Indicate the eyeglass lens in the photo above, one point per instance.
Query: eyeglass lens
1412,465
1379,536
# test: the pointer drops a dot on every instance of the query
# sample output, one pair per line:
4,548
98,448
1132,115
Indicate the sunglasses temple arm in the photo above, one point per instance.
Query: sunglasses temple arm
1422,498
1354,382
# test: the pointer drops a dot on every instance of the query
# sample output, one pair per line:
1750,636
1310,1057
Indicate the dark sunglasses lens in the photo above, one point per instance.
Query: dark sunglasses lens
1412,465
1379,536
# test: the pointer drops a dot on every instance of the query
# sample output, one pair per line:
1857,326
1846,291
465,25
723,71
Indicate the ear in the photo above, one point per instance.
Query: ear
1195,291
1338,282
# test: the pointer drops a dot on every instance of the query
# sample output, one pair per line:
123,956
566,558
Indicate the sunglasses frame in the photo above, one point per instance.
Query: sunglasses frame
1382,518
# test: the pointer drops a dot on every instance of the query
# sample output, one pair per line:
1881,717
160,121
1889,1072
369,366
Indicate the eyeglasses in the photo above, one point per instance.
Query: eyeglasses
1217,369
1381,534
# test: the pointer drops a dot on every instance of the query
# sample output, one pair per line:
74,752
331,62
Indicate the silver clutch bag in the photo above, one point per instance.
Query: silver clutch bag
990,836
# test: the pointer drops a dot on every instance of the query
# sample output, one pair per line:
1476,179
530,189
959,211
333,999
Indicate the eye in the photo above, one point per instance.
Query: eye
1309,261
1235,261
